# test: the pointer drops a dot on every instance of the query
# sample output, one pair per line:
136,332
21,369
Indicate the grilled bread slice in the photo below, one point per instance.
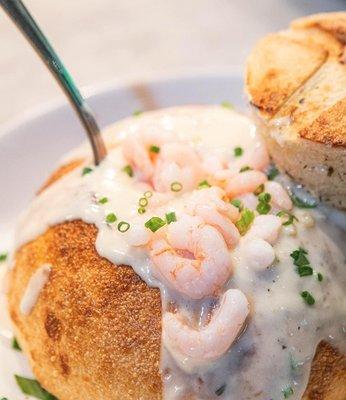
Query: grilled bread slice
296,79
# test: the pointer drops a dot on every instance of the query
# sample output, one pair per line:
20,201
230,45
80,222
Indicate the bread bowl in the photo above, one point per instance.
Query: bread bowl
296,80
94,327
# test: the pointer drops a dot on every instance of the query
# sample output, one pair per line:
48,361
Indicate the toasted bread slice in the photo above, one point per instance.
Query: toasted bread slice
297,81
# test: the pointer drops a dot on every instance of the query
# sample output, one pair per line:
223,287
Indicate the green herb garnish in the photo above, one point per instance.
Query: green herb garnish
263,206
272,173
143,202
288,217
111,218
319,277
33,388
171,217
204,184
141,210
237,203
123,226
137,112
303,203
128,170
154,149
287,392
245,168
259,190
86,171
220,390
176,186
103,200
148,194
3,257
264,197
155,223
308,298
246,218
302,262
227,104
15,345
238,151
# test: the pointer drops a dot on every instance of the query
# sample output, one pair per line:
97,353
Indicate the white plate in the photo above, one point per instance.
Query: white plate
31,146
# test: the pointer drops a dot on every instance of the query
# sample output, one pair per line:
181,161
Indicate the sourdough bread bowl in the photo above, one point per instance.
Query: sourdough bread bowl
296,80
95,329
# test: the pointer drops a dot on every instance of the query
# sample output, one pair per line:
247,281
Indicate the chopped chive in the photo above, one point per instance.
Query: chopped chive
259,190
154,149
288,217
111,218
141,210
123,226
308,298
227,104
137,112
302,262
103,200
246,218
128,170
237,203
204,184
303,203
238,151
220,390
143,202
319,277
155,223
4,398
148,194
15,345
264,197
171,217
33,388
287,392
176,187
3,257
245,168
272,173
263,208
86,171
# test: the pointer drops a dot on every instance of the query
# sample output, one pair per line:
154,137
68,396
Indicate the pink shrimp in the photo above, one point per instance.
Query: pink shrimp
193,258
279,196
244,182
177,162
210,206
212,341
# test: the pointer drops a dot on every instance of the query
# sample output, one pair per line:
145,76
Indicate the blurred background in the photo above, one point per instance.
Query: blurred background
131,40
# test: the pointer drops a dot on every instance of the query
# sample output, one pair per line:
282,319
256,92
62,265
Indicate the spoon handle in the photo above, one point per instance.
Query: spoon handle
24,21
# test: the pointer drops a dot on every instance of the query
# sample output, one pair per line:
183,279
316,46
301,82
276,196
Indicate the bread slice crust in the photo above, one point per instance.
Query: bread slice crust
299,76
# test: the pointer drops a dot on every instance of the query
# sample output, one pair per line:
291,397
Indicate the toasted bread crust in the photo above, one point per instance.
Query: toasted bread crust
308,88
95,331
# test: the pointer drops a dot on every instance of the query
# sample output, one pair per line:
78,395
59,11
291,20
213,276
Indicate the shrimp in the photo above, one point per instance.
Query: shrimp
258,253
212,341
136,149
279,196
244,182
177,162
138,156
266,227
193,258
257,159
210,206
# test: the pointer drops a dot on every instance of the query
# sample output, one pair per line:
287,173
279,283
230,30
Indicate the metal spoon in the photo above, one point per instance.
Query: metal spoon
24,21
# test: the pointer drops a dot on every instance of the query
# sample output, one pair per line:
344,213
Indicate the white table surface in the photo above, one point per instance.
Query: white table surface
131,40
